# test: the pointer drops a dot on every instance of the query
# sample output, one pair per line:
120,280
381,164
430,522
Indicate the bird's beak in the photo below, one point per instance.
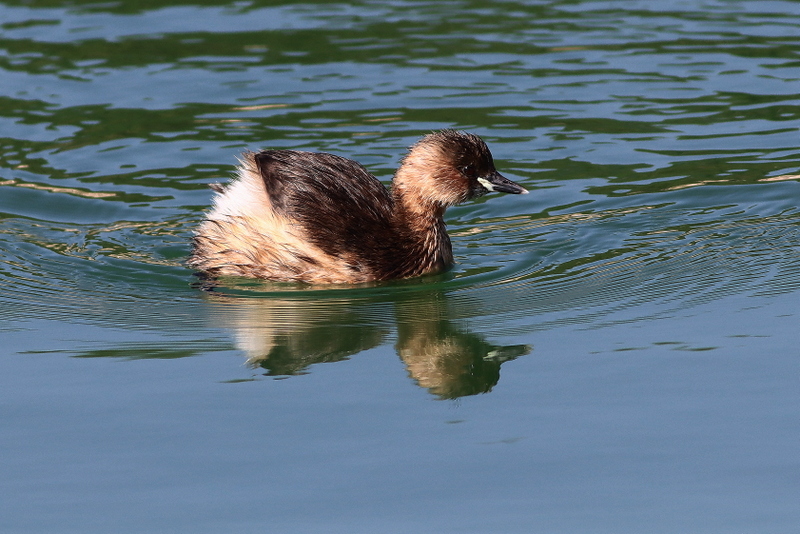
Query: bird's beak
497,182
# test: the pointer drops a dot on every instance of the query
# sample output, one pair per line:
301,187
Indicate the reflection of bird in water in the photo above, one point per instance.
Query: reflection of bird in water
285,337
445,360
320,218
450,363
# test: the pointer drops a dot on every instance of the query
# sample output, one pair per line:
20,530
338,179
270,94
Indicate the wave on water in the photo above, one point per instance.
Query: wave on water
519,274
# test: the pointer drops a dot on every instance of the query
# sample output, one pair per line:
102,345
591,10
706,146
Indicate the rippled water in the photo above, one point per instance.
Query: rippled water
642,301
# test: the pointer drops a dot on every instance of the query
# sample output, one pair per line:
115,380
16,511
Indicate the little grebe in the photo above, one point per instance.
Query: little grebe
320,218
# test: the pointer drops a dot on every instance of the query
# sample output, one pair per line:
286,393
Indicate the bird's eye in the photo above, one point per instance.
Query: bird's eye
468,169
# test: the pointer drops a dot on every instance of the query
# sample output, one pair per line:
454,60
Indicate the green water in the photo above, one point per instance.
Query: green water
615,352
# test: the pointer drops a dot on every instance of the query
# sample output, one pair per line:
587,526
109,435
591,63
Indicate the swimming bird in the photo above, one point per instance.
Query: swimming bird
320,218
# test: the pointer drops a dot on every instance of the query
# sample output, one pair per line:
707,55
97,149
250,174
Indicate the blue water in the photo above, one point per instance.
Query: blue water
614,353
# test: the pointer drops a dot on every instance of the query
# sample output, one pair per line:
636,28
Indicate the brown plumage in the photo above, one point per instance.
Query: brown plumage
320,218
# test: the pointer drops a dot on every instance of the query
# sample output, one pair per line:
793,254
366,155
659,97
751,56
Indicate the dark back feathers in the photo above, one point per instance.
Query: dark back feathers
340,205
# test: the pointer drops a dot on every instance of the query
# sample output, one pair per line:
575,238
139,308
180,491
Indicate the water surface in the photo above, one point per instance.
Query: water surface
616,352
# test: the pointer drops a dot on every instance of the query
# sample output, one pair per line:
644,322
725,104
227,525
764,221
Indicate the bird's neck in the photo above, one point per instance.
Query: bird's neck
422,223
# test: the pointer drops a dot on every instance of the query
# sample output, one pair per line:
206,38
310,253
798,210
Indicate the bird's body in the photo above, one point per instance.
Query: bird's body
321,218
